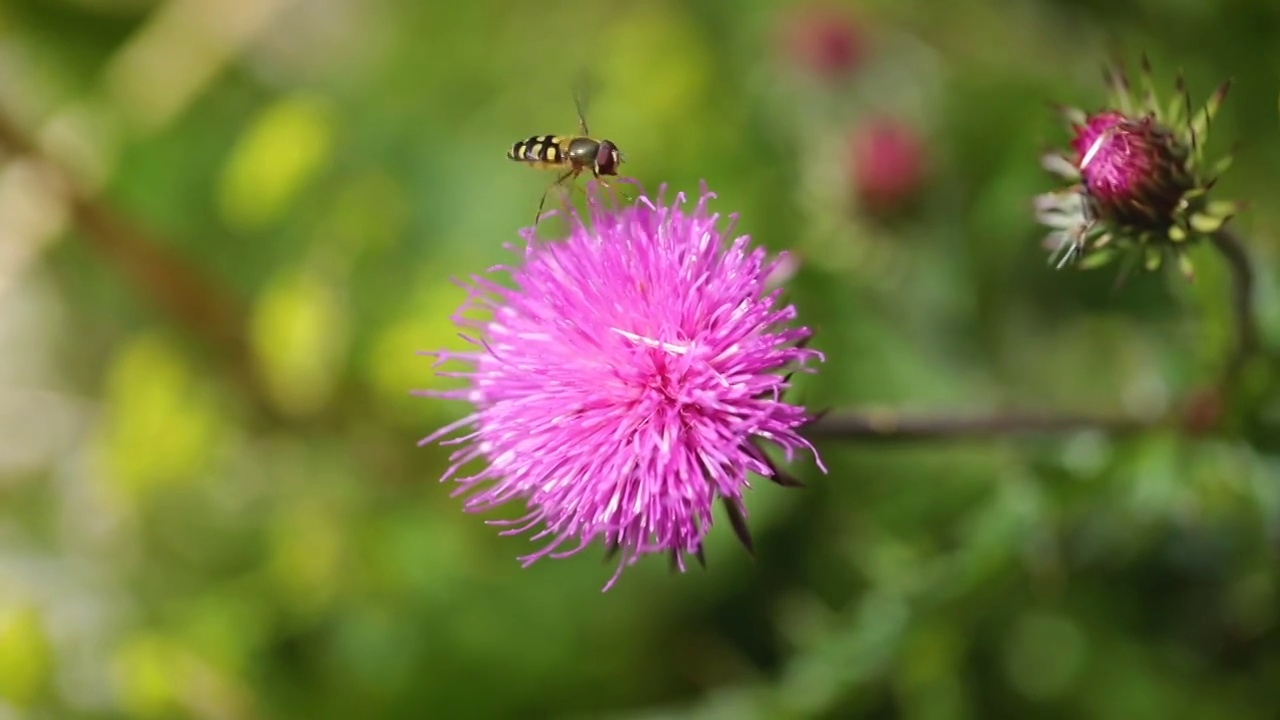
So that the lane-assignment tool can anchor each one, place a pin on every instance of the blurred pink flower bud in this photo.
(888, 164)
(826, 41)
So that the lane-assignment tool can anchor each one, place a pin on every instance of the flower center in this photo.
(1134, 169)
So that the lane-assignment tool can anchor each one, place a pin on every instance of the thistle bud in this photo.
(887, 159)
(826, 42)
(1139, 183)
(1135, 170)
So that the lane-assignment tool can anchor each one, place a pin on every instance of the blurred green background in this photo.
(211, 502)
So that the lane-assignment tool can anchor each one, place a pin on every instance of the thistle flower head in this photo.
(625, 380)
(1139, 181)
(1133, 169)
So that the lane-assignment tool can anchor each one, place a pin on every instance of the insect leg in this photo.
(542, 203)
(610, 187)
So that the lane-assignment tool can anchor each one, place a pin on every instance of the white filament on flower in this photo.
(1096, 146)
(652, 342)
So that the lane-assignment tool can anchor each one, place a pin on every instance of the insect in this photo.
(570, 154)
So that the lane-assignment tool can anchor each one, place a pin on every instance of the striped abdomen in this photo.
(542, 151)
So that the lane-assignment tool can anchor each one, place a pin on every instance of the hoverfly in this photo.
(572, 154)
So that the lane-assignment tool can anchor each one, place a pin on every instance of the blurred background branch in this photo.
(895, 426)
(194, 302)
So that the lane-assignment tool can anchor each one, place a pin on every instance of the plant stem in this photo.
(891, 426)
(1244, 311)
(884, 425)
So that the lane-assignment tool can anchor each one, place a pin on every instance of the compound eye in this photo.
(607, 158)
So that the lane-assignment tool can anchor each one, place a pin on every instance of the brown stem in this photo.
(888, 426)
(175, 285)
(1244, 312)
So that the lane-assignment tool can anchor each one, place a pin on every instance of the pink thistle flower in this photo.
(1139, 179)
(626, 382)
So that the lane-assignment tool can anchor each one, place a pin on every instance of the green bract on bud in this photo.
(1139, 181)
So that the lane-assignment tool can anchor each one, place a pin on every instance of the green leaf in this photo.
(1222, 166)
(1186, 267)
(1118, 83)
(282, 150)
(1223, 208)
(26, 656)
(1150, 101)
(162, 425)
(1044, 655)
(393, 365)
(300, 337)
(1175, 113)
(307, 545)
(1206, 223)
(1203, 119)
(149, 676)
(1153, 258)
(1097, 259)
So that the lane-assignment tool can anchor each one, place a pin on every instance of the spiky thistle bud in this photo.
(1139, 181)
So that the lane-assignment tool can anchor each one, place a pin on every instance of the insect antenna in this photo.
(581, 94)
